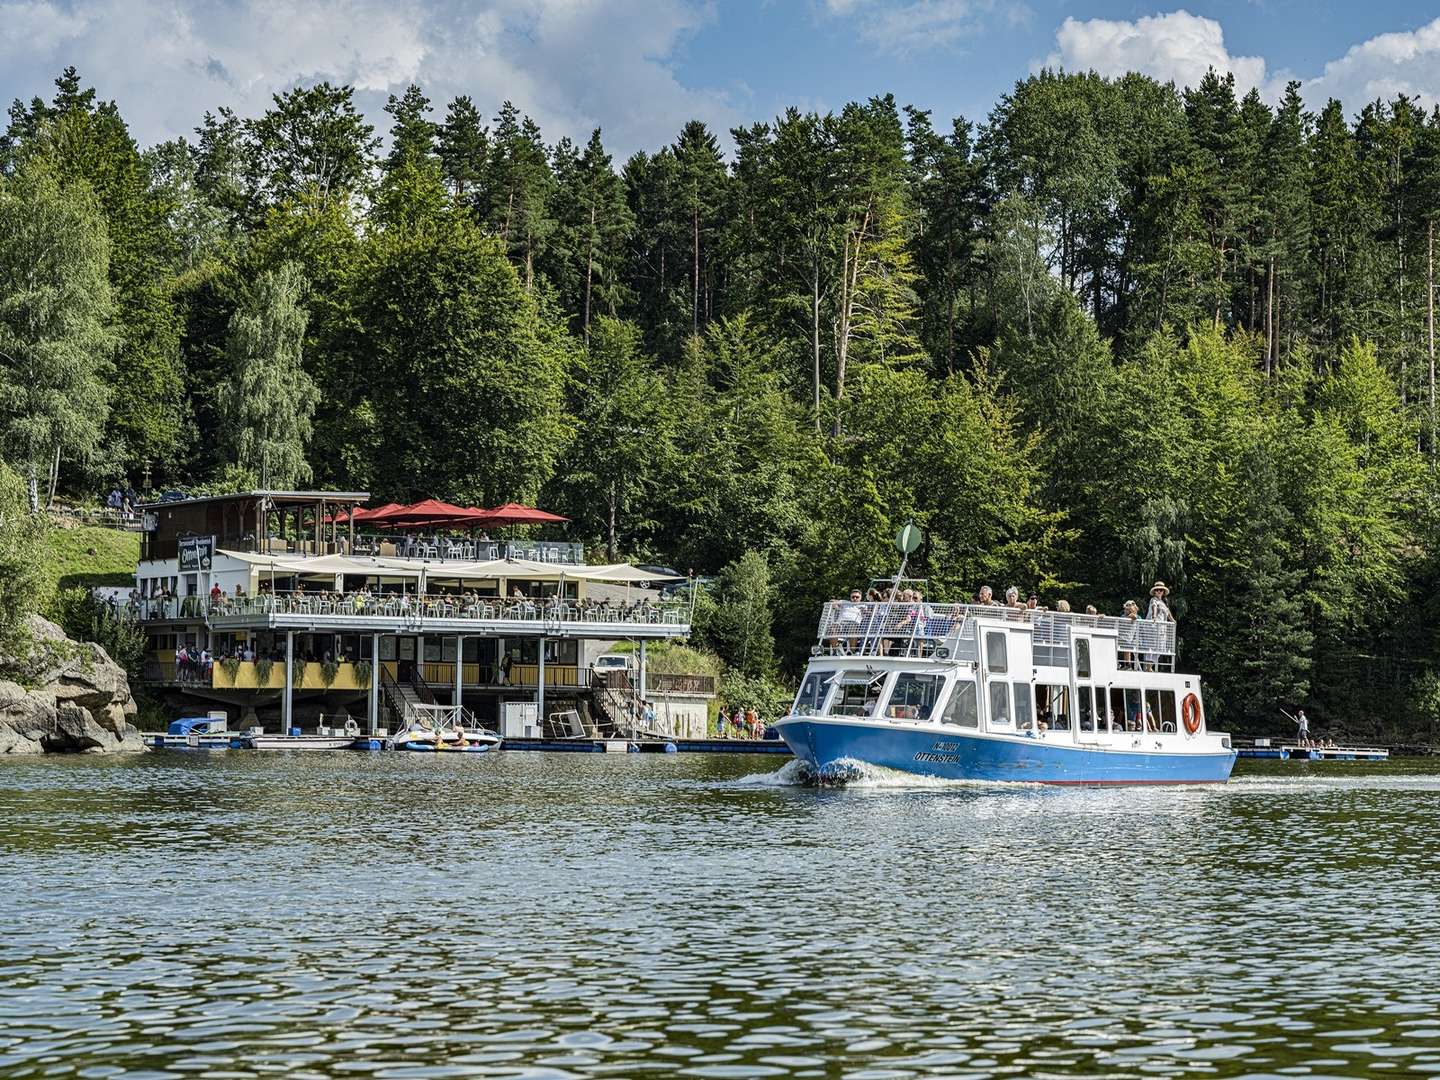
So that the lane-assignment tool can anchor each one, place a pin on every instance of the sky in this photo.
(639, 69)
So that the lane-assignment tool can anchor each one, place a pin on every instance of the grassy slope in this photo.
(113, 561)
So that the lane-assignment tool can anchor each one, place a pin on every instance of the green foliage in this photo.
(768, 695)
(230, 665)
(329, 669)
(268, 399)
(263, 667)
(363, 672)
(737, 624)
(55, 313)
(24, 573)
(85, 618)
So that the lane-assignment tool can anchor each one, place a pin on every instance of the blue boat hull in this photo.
(830, 746)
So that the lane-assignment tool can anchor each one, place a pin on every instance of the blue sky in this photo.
(640, 68)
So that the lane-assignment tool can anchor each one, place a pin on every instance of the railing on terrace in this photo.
(409, 607)
(907, 628)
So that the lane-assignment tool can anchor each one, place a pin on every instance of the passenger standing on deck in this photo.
(1159, 612)
(1127, 635)
(721, 720)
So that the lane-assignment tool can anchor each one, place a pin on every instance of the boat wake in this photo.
(850, 773)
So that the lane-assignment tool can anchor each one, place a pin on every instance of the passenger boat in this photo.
(988, 693)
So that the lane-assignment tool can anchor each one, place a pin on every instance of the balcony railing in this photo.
(246, 675)
(410, 608)
(909, 628)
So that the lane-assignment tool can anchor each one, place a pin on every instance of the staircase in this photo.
(616, 705)
(397, 697)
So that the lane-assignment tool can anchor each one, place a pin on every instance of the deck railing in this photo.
(485, 609)
(908, 628)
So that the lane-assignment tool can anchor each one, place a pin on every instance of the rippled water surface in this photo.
(533, 915)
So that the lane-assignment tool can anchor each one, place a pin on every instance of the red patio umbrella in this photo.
(516, 514)
(425, 512)
(362, 514)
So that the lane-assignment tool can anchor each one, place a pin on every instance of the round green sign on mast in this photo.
(908, 539)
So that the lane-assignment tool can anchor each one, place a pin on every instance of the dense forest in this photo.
(1115, 331)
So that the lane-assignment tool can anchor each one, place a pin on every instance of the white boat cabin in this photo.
(1058, 676)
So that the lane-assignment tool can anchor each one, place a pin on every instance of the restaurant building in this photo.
(305, 613)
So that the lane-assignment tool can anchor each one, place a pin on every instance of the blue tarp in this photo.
(200, 725)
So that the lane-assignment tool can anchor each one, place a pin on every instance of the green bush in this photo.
(84, 618)
(329, 669)
(263, 667)
(363, 671)
(770, 697)
(231, 666)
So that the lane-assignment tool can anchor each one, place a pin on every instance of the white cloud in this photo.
(1386, 65)
(904, 26)
(572, 64)
(1180, 47)
(1176, 47)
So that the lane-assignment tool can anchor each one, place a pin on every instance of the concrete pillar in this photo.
(286, 705)
(540, 689)
(374, 683)
(459, 668)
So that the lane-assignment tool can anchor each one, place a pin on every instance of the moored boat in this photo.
(443, 729)
(988, 693)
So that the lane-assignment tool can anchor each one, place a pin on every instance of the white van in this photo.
(612, 662)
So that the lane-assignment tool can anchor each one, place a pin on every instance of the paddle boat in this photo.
(443, 729)
(988, 693)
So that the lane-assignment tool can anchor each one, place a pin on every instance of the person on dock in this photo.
(721, 721)
(1302, 722)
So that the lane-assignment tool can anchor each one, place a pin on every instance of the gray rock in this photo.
(75, 699)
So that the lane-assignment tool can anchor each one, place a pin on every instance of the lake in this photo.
(549, 915)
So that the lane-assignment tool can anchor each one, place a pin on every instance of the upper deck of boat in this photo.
(905, 628)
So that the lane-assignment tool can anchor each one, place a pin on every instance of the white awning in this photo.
(383, 567)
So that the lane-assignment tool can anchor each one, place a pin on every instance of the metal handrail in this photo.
(406, 605)
(907, 627)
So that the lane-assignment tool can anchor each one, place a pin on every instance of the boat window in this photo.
(1115, 714)
(1052, 706)
(859, 693)
(1134, 711)
(913, 697)
(999, 703)
(1167, 711)
(812, 692)
(1154, 710)
(961, 711)
(995, 653)
(1024, 719)
(1085, 708)
(1082, 658)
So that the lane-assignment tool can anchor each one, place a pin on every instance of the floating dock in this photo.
(1289, 751)
(236, 740)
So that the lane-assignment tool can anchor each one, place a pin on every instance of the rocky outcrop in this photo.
(65, 697)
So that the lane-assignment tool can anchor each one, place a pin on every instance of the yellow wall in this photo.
(247, 678)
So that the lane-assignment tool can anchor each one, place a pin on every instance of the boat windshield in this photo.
(859, 693)
(812, 692)
(914, 696)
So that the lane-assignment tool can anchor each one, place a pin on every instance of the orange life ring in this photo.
(1190, 712)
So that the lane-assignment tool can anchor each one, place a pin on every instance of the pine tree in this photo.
(463, 145)
(518, 189)
(595, 224)
(412, 134)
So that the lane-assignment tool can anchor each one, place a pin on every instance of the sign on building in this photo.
(196, 553)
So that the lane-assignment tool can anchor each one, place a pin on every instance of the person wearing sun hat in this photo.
(1159, 610)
